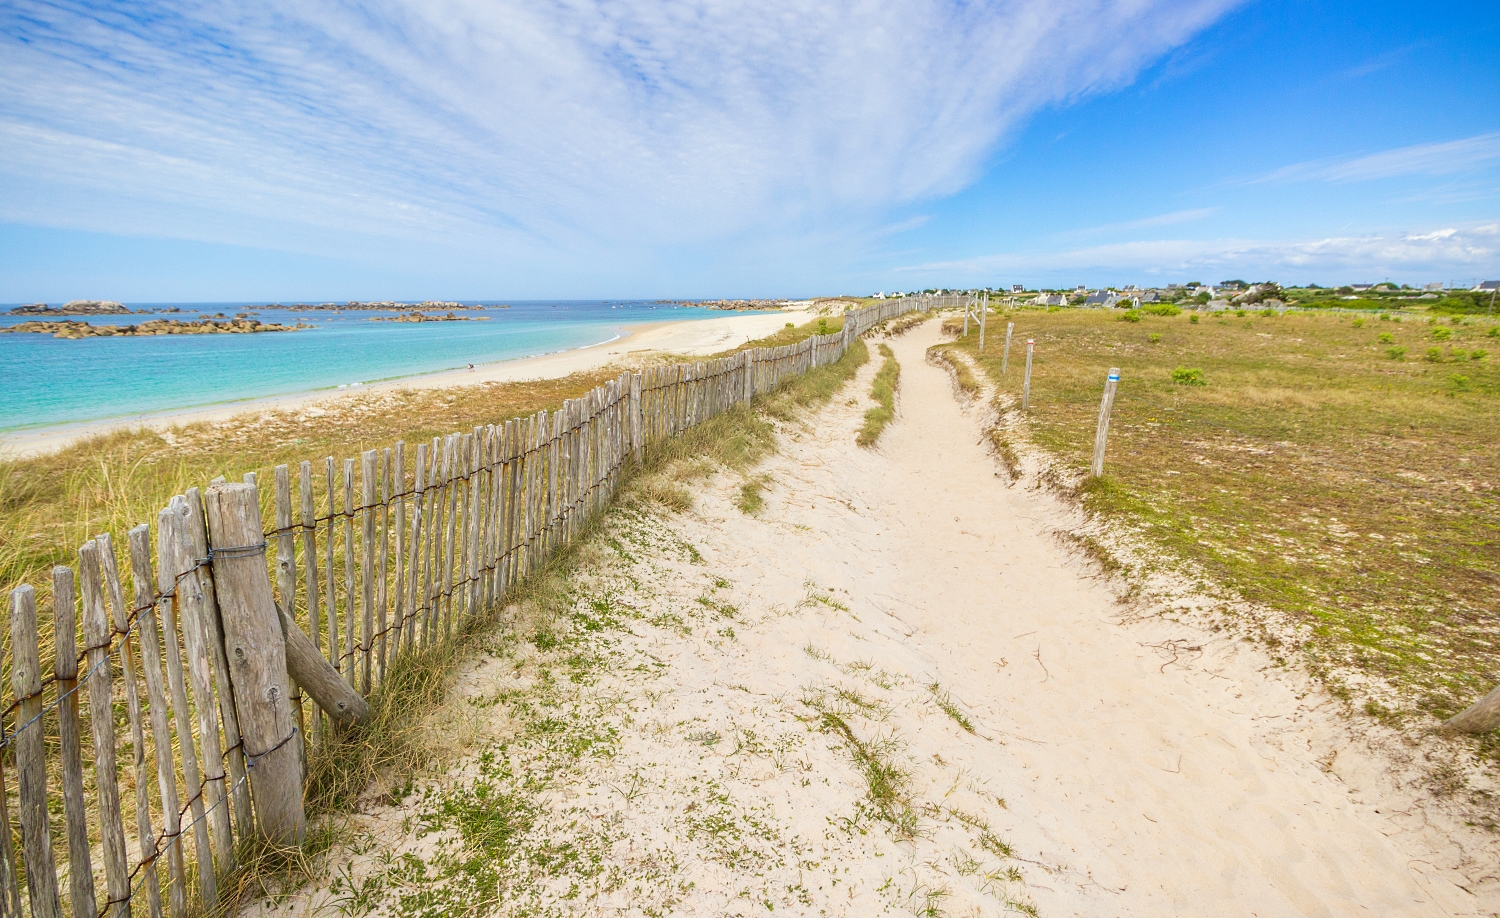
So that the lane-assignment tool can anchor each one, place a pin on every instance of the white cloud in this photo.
(1400, 255)
(1172, 219)
(526, 125)
(1443, 158)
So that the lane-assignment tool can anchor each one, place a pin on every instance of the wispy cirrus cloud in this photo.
(1426, 159)
(1174, 218)
(1409, 255)
(528, 126)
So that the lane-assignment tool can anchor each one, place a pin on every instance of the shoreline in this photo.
(694, 337)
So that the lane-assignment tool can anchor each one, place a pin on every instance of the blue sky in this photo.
(318, 150)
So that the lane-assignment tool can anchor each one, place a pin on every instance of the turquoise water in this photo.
(46, 382)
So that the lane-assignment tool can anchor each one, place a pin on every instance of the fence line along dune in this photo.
(246, 642)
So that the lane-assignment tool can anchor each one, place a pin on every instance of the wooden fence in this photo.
(196, 737)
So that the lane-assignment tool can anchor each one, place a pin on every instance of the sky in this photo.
(557, 149)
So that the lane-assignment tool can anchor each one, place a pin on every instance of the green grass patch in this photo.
(883, 391)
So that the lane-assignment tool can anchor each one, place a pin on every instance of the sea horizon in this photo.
(51, 382)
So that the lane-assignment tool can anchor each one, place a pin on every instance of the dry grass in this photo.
(1310, 472)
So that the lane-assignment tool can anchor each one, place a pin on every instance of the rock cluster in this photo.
(75, 330)
(427, 317)
(73, 308)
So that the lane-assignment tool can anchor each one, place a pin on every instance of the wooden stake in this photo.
(96, 636)
(257, 660)
(1026, 384)
(1010, 328)
(1101, 435)
(75, 804)
(161, 731)
(31, 755)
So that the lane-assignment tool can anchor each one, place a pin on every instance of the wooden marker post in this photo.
(636, 441)
(1010, 328)
(1101, 435)
(984, 311)
(1026, 384)
(257, 660)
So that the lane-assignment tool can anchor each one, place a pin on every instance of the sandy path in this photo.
(697, 738)
(1160, 789)
(697, 337)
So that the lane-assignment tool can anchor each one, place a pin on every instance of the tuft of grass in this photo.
(883, 390)
(751, 498)
(1188, 376)
(945, 701)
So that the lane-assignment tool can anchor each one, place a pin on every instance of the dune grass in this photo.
(1295, 461)
(883, 391)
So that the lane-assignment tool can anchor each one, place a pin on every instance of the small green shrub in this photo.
(1458, 381)
(790, 325)
(1239, 313)
(1442, 334)
(1154, 338)
(822, 326)
(1130, 316)
(1268, 312)
(1358, 323)
(1396, 353)
(1495, 331)
(1194, 319)
(1433, 355)
(1188, 376)
(1386, 338)
(1162, 309)
(1478, 353)
(1385, 317)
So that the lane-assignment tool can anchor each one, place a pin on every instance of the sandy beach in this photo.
(697, 337)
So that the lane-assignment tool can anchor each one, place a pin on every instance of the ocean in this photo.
(47, 382)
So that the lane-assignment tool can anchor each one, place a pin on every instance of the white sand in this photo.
(695, 337)
(1127, 779)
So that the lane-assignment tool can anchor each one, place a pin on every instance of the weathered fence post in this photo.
(31, 762)
(1026, 384)
(636, 446)
(1010, 328)
(984, 312)
(1480, 717)
(1101, 435)
(257, 660)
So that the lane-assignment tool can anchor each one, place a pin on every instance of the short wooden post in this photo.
(1480, 717)
(1026, 384)
(984, 311)
(1101, 435)
(257, 660)
(636, 446)
(1010, 328)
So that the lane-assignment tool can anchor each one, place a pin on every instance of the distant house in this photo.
(1361, 288)
(1080, 290)
(1146, 296)
(1488, 285)
(1434, 287)
(1102, 298)
(1052, 299)
(1017, 288)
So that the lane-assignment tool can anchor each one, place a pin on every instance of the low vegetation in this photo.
(883, 391)
(1309, 464)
